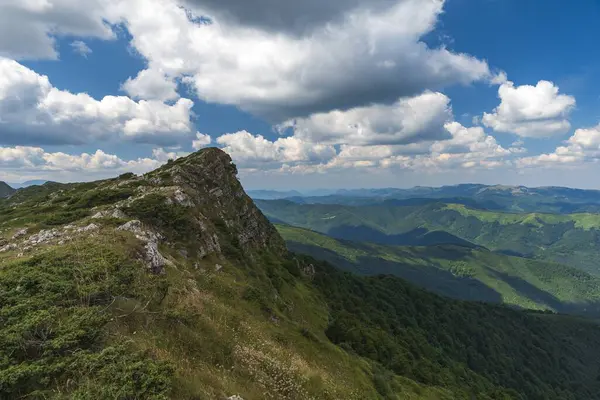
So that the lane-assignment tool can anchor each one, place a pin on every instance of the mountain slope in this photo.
(573, 239)
(459, 272)
(174, 285)
(5, 190)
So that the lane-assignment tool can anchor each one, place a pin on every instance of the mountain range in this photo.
(174, 285)
(571, 239)
(461, 272)
(515, 199)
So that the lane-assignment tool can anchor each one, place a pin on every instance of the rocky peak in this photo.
(206, 184)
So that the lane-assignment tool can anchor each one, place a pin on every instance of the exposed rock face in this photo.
(139, 231)
(207, 182)
(155, 261)
(88, 228)
(114, 213)
(20, 233)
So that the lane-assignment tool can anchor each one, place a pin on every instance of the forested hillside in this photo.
(573, 239)
(460, 272)
(173, 285)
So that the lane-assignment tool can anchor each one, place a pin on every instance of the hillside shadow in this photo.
(415, 237)
(588, 309)
(527, 290)
(427, 277)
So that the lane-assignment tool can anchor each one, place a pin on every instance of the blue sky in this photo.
(354, 93)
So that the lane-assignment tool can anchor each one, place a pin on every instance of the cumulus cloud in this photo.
(254, 150)
(469, 140)
(20, 162)
(531, 111)
(201, 141)
(465, 148)
(151, 84)
(583, 146)
(408, 120)
(36, 23)
(297, 17)
(33, 111)
(81, 48)
(373, 54)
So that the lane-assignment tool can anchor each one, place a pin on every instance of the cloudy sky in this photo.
(304, 94)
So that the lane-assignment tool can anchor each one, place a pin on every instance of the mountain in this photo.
(173, 285)
(25, 184)
(516, 199)
(460, 272)
(570, 239)
(272, 194)
(5, 190)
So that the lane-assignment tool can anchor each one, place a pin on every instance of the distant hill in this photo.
(27, 183)
(5, 189)
(518, 199)
(272, 194)
(572, 239)
(459, 272)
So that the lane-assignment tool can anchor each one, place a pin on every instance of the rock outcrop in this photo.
(206, 183)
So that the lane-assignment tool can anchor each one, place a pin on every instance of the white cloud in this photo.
(467, 148)
(201, 141)
(151, 84)
(28, 27)
(531, 111)
(250, 151)
(81, 48)
(583, 146)
(469, 140)
(371, 54)
(409, 120)
(33, 111)
(21, 162)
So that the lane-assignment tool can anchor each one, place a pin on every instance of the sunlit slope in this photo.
(573, 239)
(460, 272)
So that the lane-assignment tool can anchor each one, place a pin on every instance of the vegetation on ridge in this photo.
(119, 303)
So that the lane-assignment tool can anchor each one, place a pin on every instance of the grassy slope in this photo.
(573, 239)
(88, 320)
(458, 272)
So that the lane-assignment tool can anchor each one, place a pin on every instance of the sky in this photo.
(304, 95)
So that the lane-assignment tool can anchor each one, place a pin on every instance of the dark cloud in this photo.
(291, 16)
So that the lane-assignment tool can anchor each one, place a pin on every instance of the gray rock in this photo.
(156, 261)
(43, 236)
(183, 199)
(8, 247)
(89, 228)
(136, 227)
(116, 213)
(20, 233)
